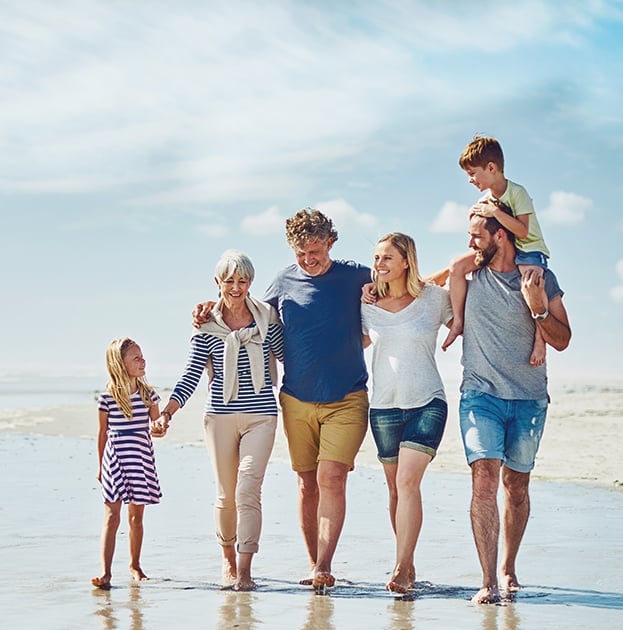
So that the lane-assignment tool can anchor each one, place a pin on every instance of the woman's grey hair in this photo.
(232, 261)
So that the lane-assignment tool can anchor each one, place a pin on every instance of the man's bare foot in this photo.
(138, 575)
(308, 581)
(246, 584)
(510, 584)
(487, 595)
(102, 581)
(455, 331)
(323, 579)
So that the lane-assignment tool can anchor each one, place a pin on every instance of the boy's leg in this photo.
(135, 538)
(539, 349)
(112, 517)
(459, 268)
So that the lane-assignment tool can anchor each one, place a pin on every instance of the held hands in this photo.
(201, 313)
(158, 428)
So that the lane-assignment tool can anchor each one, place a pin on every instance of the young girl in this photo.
(127, 410)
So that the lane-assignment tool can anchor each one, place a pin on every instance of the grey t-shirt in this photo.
(498, 337)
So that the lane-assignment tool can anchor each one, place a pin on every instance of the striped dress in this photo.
(128, 465)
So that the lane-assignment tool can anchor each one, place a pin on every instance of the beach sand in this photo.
(50, 519)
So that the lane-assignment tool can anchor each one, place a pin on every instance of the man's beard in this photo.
(484, 256)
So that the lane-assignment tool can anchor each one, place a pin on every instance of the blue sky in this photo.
(141, 139)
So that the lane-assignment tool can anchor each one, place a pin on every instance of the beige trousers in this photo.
(240, 445)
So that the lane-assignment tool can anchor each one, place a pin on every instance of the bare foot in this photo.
(245, 585)
(539, 352)
(308, 581)
(323, 579)
(101, 582)
(510, 584)
(412, 577)
(400, 582)
(487, 595)
(138, 575)
(455, 331)
(228, 574)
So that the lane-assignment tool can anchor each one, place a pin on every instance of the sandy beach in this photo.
(51, 517)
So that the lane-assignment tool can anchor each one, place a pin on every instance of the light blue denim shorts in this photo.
(536, 259)
(420, 428)
(494, 428)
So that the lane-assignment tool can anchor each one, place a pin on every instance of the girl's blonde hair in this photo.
(406, 246)
(119, 384)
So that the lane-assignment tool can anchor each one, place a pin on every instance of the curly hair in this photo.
(309, 225)
(480, 151)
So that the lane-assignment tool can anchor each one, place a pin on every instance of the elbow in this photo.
(562, 343)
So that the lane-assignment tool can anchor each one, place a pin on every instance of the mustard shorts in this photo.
(330, 431)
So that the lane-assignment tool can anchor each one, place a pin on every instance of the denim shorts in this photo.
(420, 429)
(536, 259)
(508, 430)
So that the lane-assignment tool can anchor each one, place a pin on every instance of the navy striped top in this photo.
(203, 346)
(117, 421)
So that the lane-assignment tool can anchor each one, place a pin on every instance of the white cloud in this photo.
(214, 230)
(345, 216)
(616, 293)
(565, 208)
(267, 222)
(451, 218)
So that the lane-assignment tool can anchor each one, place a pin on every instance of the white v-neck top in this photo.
(404, 371)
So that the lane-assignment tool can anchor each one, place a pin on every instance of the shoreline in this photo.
(581, 444)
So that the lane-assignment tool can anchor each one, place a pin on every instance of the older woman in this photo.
(237, 347)
(408, 409)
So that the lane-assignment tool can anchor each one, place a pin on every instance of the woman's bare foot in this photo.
(102, 581)
(245, 584)
(401, 582)
(412, 577)
(323, 579)
(229, 575)
(138, 575)
(487, 595)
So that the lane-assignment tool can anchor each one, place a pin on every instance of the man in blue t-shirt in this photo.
(323, 395)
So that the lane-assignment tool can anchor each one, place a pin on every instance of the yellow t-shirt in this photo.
(517, 199)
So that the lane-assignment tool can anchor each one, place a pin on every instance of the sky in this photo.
(139, 140)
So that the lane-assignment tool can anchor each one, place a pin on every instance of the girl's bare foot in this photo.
(487, 595)
(102, 581)
(138, 575)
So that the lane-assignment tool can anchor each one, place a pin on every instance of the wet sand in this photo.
(51, 514)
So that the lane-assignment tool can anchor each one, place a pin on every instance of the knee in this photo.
(485, 479)
(333, 480)
(113, 517)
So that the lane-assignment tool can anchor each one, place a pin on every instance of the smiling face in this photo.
(134, 362)
(483, 177)
(389, 263)
(313, 256)
(234, 289)
(482, 241)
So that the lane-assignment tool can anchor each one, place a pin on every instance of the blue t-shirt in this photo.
(323, 354)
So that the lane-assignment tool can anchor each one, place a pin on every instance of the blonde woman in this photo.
(237, 348)
(125, 453)
(408, 409)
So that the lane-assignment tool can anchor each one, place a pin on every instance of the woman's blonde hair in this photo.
(119, 384)
(406, 246)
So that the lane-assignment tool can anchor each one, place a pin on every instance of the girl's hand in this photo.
(158, 429)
